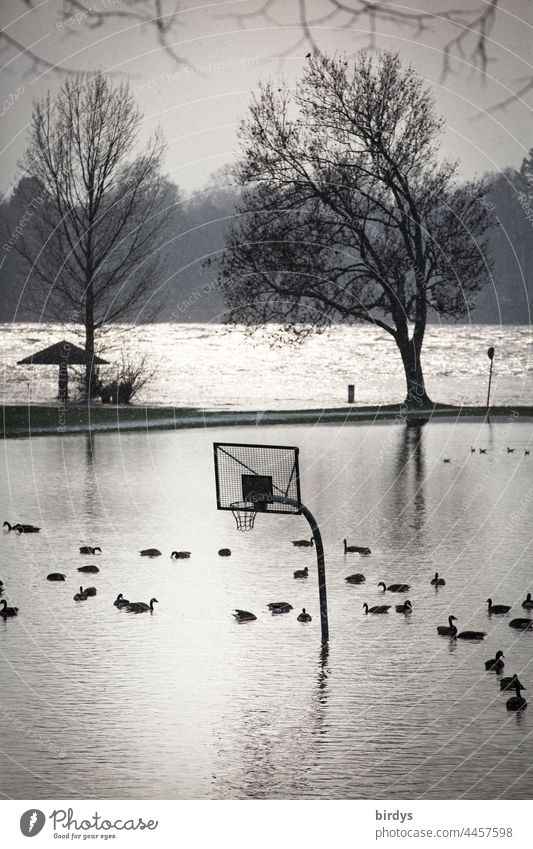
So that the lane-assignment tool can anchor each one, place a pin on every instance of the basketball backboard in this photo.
(252, 474)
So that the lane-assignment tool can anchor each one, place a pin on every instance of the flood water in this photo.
(186, 703)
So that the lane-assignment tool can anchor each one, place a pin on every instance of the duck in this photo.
(406, 607)
(141, 606)
(526, 452)
(180, 555)
(224, 552)
(303, 543)
(448, 630)
(510, 450)
(7, 611)
(472, 449)
(482, 450)
(509, 682)
(80, 596)
(378, 608)
(150, 552)
(244, 616)
(496, 664)
(355, 549)
(279, 607)
(304, 616)
(471, 635)
(446, 459)
(301, 573)
(355, 579)
(521, 624)
(516, 702)
(528, 602)
(56, 576)
(437, 581)
(90, 591)
(2, 585)
(87, 549)
(89, 570)
(120, 601)
(497, 608)
(395, 588)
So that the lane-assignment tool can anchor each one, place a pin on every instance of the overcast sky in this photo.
(228, 49)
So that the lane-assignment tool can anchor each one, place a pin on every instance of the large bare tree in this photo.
(92, 248)
(349, 212)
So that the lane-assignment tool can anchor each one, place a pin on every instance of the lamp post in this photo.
(490, 354)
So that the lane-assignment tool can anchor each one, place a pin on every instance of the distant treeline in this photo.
(190, 293)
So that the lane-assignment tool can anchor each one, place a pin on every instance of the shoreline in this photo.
(24, 421)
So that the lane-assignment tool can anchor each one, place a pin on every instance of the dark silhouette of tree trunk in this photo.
(349, 213)
(92, 249)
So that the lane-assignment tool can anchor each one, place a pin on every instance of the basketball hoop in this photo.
(244, 513)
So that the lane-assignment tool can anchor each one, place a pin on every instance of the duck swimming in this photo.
(508, 683)
(471, 635)
(150, 552)
(437, 581)
(301, 573)
(90, 591)
(528, 602)
(279, 607)
(87, 549)
(141, 606)
(497, 608)
(55, 576)
(516, 702)
(448, 630)
(521, 624)
(89, 570)
(180, 555)
(496, 664)
(22, 529)
(304, 543)
(395, 588)
(355, 579)
(6, 611)
(80, 596)
(355, 549)
(406, 607)
(120, 601)
(378, 608)
(244, 616)
(304, 616)
(224, 552)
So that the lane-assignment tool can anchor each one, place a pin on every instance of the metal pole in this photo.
(490, 354)
(321, 564)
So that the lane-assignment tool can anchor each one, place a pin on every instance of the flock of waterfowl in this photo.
(485, 451)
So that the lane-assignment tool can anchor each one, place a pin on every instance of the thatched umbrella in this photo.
(62, 354)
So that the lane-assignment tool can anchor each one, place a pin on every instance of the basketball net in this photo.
(244, 513)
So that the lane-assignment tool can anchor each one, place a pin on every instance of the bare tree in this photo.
(92, 249)
(349, 213)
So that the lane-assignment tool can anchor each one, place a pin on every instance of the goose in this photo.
(395, 588)
(482, 450)
(224, 552)
(378, 608)
(80, 596)
(497, 608)
(141, 606)
(510, 450)
(528, 602)
(120, 601)
(7, 611)
(516, 702)
(355, 579)
(472, 449)
(89, 570)
(304, 616)
(471, 635)
(22, 529)
(526, 452)
(438, 582)
(355, 549)
(279, 607)
(87, 549)
(521, 624)
(150, 552)
(406, 607)
(446, 459)
(496, 664)
(55, 576)
(448, 630)
(508, 683)
(180, 555)
(244, 616)
(90, 591)
(1, 587)
(301, 573)
(304, 543)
